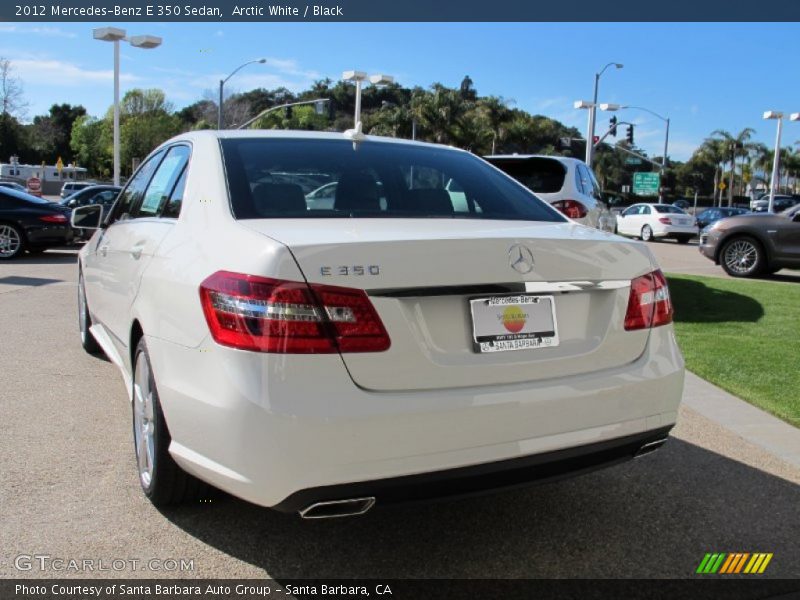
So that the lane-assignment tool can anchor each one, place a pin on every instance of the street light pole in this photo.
(222, 86)
(116, 35)
(776, 159)
(593, 114)
(358, 77)
(116, 114)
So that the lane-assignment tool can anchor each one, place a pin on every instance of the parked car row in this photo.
(32, 224)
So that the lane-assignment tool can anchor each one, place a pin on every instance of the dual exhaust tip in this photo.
(352, 507)
(650, 447)
(338, 508)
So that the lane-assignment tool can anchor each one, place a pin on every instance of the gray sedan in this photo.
(754, 244)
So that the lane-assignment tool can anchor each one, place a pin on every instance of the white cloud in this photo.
(60, 73)
(43, 31)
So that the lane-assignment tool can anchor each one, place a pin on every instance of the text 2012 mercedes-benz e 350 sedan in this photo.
(403, 341)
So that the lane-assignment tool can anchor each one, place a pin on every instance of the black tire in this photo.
(683, 240)
(163, 482)
(647, 234)
(742, 256)
(85, 320)
(12, 241)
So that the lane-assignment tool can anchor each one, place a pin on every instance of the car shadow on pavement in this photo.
(695, 302)
(19, 280)
(653, 517)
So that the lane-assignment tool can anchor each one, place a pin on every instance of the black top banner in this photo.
(397, 10)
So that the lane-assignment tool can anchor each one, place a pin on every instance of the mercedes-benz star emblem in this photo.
(520, 259)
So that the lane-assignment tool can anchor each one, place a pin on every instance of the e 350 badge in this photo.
(346, 270)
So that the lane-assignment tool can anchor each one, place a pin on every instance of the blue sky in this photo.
(703, 76)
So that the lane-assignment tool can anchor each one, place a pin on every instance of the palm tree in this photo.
(439, 112)
(735, 146)
(713, 150)
(496, 111)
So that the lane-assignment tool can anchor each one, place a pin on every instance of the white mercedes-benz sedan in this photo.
(401, 342)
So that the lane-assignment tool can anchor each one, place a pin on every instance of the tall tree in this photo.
(735, 146)
(12, 98)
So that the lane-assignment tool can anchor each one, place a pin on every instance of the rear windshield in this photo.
(285, 178)
(543, 175)
(666, 208)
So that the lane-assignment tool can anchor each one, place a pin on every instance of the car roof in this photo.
(293, 134)
(561, 159)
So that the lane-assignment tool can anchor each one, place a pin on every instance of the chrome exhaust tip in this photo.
(650, 447)
(338, 508)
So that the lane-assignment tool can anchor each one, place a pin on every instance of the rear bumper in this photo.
(673, 231)
(267, 428)
(477, 479)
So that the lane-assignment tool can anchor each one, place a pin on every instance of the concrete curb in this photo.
(751, 423)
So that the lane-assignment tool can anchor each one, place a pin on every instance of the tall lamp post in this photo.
(776, 160)
(116, 35)
(613, 107)
(222, 85)
(592, 106)
(359, 77)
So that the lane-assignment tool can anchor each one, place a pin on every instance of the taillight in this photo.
(272, 315)
(665, 220)
(572, 208)
(53, 219)
(649, 304)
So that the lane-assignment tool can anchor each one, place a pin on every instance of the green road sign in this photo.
(632, 160)
(646, 184)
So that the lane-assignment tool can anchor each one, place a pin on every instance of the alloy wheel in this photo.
(741, 257)
(143, 420)
(10, 241)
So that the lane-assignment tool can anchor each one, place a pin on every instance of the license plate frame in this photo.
(513, 322)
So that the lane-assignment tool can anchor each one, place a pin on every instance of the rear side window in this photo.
(173, 208)
(163, 182)
(590, 185)
(134, 191)
(667, 208)
(314, 178)
(543, 175)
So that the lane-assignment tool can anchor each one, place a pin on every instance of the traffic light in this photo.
(613, 125)
(289, 112)
(629, 134)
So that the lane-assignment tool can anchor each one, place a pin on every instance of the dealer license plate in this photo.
(503, 323)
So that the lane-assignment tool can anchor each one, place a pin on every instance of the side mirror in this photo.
(87, 217)
(796, 217)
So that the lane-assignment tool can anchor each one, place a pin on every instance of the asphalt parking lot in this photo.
(69, 487)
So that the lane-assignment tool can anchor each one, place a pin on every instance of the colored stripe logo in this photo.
(730, 563)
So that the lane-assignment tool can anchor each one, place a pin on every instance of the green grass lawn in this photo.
(743, 336)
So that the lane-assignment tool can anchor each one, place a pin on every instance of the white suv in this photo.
(71, 187)
(566, 183)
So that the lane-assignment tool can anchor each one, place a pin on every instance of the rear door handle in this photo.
(103, 250)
